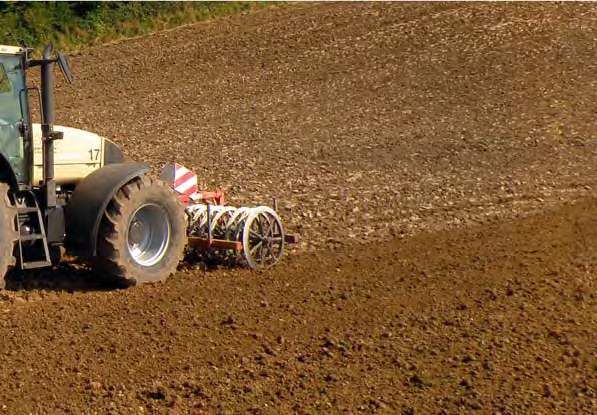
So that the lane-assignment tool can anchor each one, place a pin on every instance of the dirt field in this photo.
(438, 160)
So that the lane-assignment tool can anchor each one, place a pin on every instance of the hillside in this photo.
(437, 160)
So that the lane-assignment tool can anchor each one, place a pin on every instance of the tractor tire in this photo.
(8, 233)
(142, 234)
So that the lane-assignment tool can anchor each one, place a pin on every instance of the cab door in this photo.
(13, 116)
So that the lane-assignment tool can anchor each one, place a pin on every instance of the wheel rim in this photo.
(263, 238)
(148, 234)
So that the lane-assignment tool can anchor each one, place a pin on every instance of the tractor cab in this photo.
(16, 132)
(15, 142)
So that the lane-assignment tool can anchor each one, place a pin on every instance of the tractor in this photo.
(65, 190)
(68, 190)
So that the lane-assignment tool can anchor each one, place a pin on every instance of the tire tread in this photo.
(10, 236)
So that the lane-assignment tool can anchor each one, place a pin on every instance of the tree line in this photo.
(73, 24)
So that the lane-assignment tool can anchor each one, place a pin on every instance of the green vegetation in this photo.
(71, 25)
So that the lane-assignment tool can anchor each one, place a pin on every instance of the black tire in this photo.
(117, 260)
(8, 233)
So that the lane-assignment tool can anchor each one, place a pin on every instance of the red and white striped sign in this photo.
(180, 178)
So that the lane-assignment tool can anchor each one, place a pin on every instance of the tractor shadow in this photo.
(68, 276)
(75, 276)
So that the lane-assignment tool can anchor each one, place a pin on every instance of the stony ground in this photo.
(438, 160)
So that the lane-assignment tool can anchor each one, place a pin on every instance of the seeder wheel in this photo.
(219, 221)
(235, 225)
(196, 215)
(263, 238)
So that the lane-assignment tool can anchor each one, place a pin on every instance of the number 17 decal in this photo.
(94, 154)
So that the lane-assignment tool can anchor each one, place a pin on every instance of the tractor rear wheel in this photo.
(142, 234)
(8, 233)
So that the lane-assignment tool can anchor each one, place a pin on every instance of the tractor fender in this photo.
(88, 203)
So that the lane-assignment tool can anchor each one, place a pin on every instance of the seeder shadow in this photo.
(208, 261)
(66, 276)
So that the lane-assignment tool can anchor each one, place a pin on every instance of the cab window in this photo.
(4, 81)
(12, 87)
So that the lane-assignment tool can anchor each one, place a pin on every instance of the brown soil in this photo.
(438, 160)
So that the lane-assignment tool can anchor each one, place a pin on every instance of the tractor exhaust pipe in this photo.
(47, 117)
(47, 126)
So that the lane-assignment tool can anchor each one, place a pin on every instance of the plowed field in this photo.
(439, 161)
